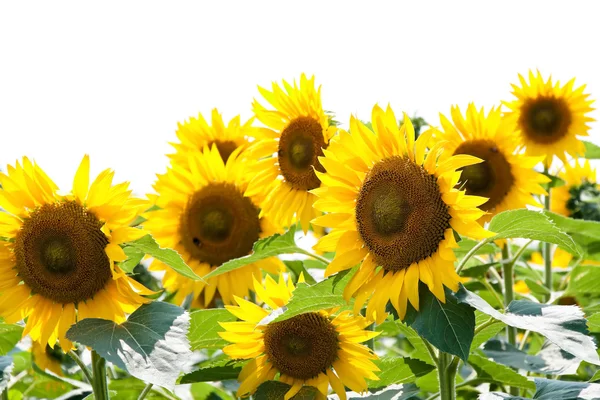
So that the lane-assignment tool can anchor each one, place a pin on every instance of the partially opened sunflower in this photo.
(394, 208)
(57, 265)
(578, 198)
(319, 349)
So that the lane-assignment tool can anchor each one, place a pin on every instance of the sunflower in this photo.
(288, 149)
(206, 217)
(560, 258)
(57, 265)
(578, 197)
(318, 349)
(506, 178)
(194, 134)
(549, 117)
(47, 358)
(393, 207)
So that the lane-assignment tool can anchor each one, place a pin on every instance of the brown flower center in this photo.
(300, 146)
(225, 148)
(219, 224)
(302, 347)
(60, 253)
(491, 178)
(400, 213)
(545, 120)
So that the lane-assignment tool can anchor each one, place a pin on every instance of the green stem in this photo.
(100, 384)
(509, 294)
(145, 391)
(547, 255)
(84, 369)
(490, 289)
(431, 352)
(470, 254)
(4, 395)
(447, 366)
(315, 256)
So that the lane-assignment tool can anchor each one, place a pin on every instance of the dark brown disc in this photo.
(225, 148)
(545, 120)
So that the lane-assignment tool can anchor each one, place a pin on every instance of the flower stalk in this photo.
(100, 384)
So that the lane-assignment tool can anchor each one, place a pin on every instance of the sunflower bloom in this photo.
(206, 217)
(560, 258)
(196, 133)
(318, 349)
(47, 358)
(297, 130)
(578, 197)
(506, 178)
(550, 117)
(58, 264)
(393, 206)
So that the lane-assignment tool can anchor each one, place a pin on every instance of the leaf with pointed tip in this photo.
(592, 152)
(205, 328)
(151, 345)
(585, 279)
(134, 256)
(296, 267)
(397, 370)
(10, 335)
(219, 370)
(585, 233)
(500, 373)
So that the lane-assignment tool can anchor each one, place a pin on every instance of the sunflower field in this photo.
(294, 256)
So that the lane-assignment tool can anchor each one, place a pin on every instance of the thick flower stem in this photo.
(447, 367)
(4, 395)
(508, 266)
(100, 384)
(547, 255)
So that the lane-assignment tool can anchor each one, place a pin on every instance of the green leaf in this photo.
(420, 352)
(148, 245)
(592, 152)
(465, 245)
(500, 373)
(449, 327)
(9, 336)
(91, 396)
(555, 181)
(392, 392)
(205, 391)
(134, 256)
(323, 295)
(536, 287)
(596, 377)
(151, 345)
(474, 269)
(490, 330)
(549, 360)
(396, 370)
(217, 371)
(296, 267)
(594, 323)
(274, 390)
(565, 390)
(130, 389)
(564, 326)
(264, 248)
(500, 396)
(585, 233)
(585, 279)
(529, 224)
(205, 328)
(6, 366)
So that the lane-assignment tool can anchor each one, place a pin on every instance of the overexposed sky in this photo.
(113, 78)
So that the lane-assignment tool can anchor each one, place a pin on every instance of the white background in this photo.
(113, 78)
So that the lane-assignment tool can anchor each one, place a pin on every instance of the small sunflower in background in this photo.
(550, 117)
(204, 215)
(58, 265)
(196, 133)
(560, 258)
(393, 206)
(506, 178)
(579, 197)
(47, 358)
(288, 149)
(318, 349)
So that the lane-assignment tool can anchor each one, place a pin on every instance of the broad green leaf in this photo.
(465, 245)
(474, 269)
(396, 370)
(564, 326)
(448, 326)
(592, 152)
(565, 390)
(130, 389)
(323, 295)
(151, 345)
(148, 245)
(420, 352)
(134, 256)
(9, 336)
(549, 360)
(42, 386)
(500, 373)
(274, 390)
(296, 267)
(585, 233)
(264, 248)
(205, 391)
(6, 366)
(429, 382)
(536, 287)
(585, 279)
(205, 328)
(594, 322)
(596, 377)
(392, 392)
(490, 330)
(217, 371)
(529, 224)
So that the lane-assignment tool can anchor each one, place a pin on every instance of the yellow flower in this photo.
(505, 177)
(521, 287)
(297, 131)
(392, 206)
(549, 117)
(194, 134)
(566, 199)
(206, 217)
(46, 358)
(560, 258)
(318, 349)
(58, 265)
